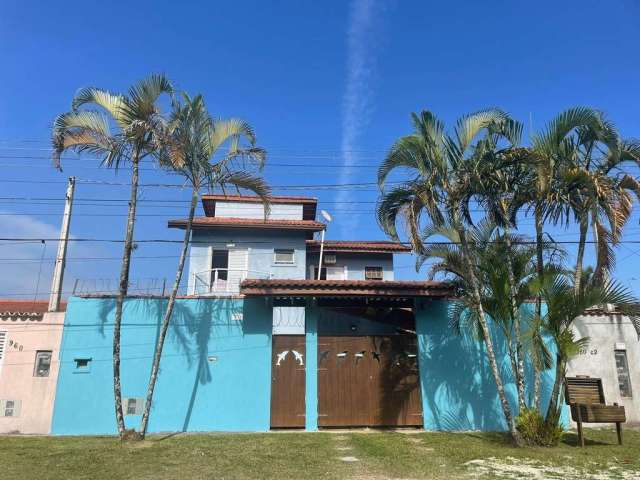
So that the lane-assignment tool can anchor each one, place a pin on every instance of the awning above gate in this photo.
(344, 288)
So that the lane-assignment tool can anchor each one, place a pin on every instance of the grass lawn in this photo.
(326, 455)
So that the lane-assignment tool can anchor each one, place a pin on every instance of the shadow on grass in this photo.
(571, 439)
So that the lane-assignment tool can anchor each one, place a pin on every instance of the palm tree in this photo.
(445, 173)
(191, 141)
(577, 156)
(489, 249)
(564, 304)
(137, 119)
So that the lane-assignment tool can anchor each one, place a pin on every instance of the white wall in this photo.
(279, 211)
(598, 359)
(260, 245)
(355, 263)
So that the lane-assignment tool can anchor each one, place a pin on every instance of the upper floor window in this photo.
(624, 379)
(43, 363)
(373, 273)
(219, 265)
(284, 256)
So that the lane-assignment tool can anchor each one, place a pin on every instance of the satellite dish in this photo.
(326, 215)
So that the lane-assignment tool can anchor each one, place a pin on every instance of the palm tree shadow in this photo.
(458, 384)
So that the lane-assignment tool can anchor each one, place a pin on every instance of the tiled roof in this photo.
(344, 288)
(14, 310)
(27, 306)
(256, 199)
(213, 222)
(376, 246)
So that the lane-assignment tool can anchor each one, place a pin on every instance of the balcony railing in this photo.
(223, 281)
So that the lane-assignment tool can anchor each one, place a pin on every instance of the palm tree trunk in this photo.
(538, 313)
(122, 291)
(584, 225)
(167, 316)
(553, 412)
(599, 274)
(487, 337)
(515, 315)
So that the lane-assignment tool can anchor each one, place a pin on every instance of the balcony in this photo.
(223, 281)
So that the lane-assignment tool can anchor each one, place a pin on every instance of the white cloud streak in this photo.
(358, 95)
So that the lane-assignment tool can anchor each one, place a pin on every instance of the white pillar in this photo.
(58, 272)
(321, 251)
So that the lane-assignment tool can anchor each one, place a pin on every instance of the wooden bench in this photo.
(586, 399)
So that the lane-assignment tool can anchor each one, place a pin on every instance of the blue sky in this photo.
(326, 85)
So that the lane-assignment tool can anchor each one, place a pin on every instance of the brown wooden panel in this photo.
(288, 381)
(368, 381)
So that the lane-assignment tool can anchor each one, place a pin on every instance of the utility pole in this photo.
(61, 257)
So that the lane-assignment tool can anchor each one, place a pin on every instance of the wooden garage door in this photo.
(288, 381)
(368, 381)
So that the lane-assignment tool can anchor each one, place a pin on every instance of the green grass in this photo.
(381, 455)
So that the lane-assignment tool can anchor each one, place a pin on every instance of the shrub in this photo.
(535, 431)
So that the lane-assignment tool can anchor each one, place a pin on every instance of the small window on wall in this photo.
(283, 256)
(43, 363)
(373, 273)
(9, 408)
(83, 365)
(624, 379)
(133, 406)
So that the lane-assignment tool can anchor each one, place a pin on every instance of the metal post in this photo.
(58, 273)
(321, 251)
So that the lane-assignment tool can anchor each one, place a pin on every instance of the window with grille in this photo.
(3, 342)
(43, 363)
(373, 273)
(282, 256)
(9, 408)
(133, 406)
(624, 379)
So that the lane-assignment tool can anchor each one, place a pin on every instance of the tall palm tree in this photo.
(192, 146)
(88, 128)
(564, 304)
(443, 181)
(578, 158)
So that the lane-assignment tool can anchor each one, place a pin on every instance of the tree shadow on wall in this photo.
(190, 331)
(458, 383)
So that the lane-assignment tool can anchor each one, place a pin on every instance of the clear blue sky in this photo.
(328, 85)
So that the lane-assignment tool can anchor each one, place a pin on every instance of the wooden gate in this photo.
(368, 381)
(288, 359)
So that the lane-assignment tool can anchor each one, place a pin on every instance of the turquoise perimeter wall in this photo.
(458, 388)
(215, 372)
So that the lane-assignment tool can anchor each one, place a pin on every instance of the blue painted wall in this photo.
(193, 393)
(458, 388)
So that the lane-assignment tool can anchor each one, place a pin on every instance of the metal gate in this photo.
(288, 381)
(368, 381)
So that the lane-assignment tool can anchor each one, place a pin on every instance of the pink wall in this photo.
(17, 380)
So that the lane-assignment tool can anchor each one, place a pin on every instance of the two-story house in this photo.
(270, 336)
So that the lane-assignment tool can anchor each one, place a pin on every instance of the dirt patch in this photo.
(516, 468)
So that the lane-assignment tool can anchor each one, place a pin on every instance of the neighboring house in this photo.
(261, 343)
(613, 354)
(29, 348)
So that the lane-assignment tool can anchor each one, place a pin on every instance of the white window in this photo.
(9, 408)
(329, 259)
(373, 273)
(330, 273)
(43, 363)
(622, 366)
(133, 406)
(3, 343)
(282, 256)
